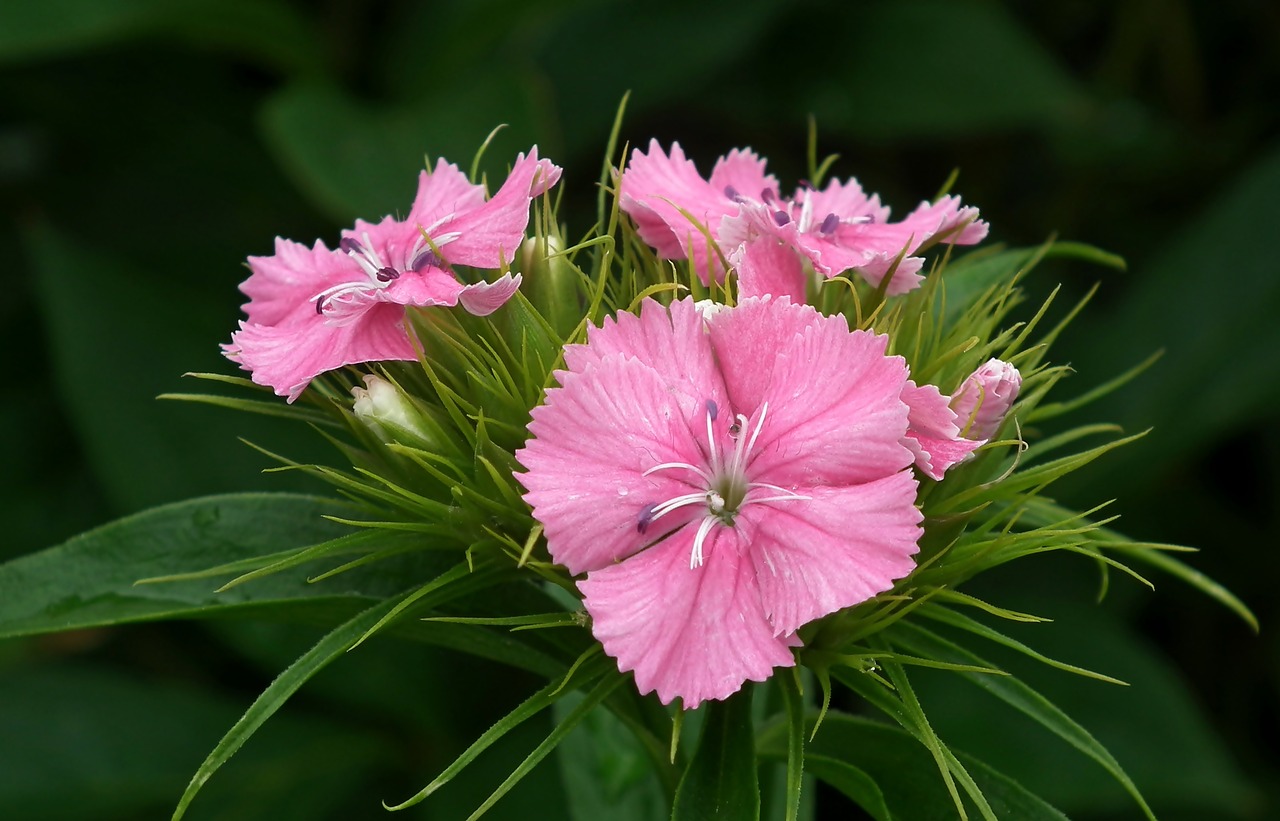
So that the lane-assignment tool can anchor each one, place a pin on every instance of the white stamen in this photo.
(696, 559)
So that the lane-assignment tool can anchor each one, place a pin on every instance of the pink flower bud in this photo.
(984, 398)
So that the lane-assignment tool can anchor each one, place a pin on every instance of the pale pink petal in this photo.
(672, 341)
(442, 191)
(933, 436)
(983, 400)
(742, 171)
(767, 267)
(952, 223)
(287, 357)
(693, 634)
(835, 413)
(674, 208)
(489, 235)
(280, 284)
(483, 298)
(590, 445)
(846, 200)
(839, 547)
(430, 286)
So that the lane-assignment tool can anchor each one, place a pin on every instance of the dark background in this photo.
(148, 146)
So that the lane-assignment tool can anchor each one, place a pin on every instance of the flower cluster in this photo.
(715, 476)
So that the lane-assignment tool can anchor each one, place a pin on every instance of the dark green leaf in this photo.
(722, 780)
(355, 160)
(890, 774)
(270, 32)
(80, 742)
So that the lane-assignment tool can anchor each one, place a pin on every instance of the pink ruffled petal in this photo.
(431, 286)
(951, 223)
(591, 444)
(287, 357)
(280, 284)
(838, 548)
(693, 634)
(483, 298)
(835, 413)
(489, 235)
(657, 191)
(672, 341)
(933, 436)
(442, 191)
(846, 200)
(742, 170)
(767, 267)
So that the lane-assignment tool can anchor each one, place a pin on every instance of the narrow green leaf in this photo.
(722, 780)
(589, 669)
(793, 700)
(888, 772)
(278, 692)
(1018, 695)
(853, 782)
(563, 728)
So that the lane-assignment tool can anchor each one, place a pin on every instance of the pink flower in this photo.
(312, 310)
(717, 499)
(765, 236)
(983, 400)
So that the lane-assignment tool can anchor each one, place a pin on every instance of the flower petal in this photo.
(282, 284)
(489, 234)
(483, 298)
(932, 433)
(767, 267)
(442, 191)
(838, 548)
(835, 414)
(592, 442)
(672, 341)
(695, 634)
(657, 191)
(287, 357)
(743, 171)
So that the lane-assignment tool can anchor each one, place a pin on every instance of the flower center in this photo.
(726, 486)
(348, 298)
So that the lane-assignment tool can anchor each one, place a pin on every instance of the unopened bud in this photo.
(983, 400)
(551, 282)
(391, 415)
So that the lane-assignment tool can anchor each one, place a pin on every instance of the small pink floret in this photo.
(982, 401)
(739, 215)
(313, 310)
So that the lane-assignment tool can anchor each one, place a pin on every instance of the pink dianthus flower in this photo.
(313, 310)
(718, 499)
(765, 236)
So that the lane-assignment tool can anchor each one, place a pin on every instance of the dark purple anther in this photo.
(806, 185)
(781, 218)
(713, 410)
(645, 517)
(350, 246)
(426, 257)
(387, 274)
(830, 224)
(768, 196)
(731, 192)
(319, 307)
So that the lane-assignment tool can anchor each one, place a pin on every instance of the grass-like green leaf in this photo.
(278, 692)
(722, 780)
(1018, 695)
(589, 668)
(887, 772)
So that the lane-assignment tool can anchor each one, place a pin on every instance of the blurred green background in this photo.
(148, 146)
